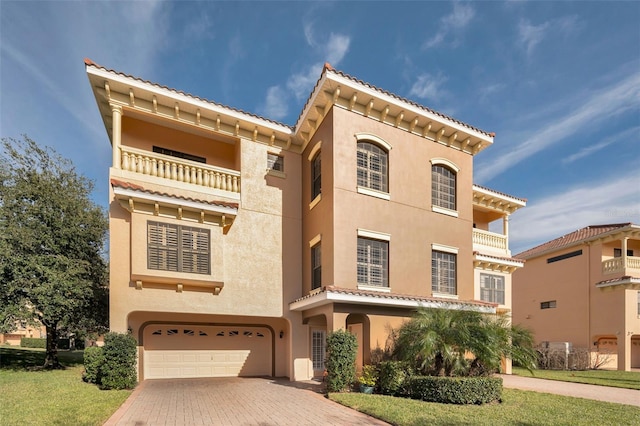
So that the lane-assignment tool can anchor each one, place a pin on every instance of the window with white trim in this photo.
(178, 248)
(373, 262)
(316, 267)
(443, 272)
(443, 187)
(492, 288)
(318, 349)
(316, 176)
(275, 162)
(372, 167)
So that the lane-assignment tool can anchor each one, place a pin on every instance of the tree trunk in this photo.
(51, 359)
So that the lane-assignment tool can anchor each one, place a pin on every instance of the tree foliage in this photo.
(445, 342)
(52, 236)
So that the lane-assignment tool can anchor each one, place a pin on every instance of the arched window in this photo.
(443, 187)
(373, 167)
(316, 176)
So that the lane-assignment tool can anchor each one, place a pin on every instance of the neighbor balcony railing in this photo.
(615, 265)
(179, 170)
(489, 239)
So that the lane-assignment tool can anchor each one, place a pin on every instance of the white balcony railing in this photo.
(615, 265)
(489, 239)
(179, 170)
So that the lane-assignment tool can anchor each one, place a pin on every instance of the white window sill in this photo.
(374, 193)
(442, 210)
(315, 201)
(276, 173)
(445, 295)
(374, 288)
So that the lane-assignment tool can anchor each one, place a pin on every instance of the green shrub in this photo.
(118, 369)
(456, 390)
(32, 342)
(392, 377)
(341, 360)
(93, 360)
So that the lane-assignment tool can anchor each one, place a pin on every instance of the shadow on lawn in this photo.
(19, 359)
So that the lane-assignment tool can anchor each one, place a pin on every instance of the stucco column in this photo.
(624, 352)
(116, 130)
(505, 229)
(624, 254)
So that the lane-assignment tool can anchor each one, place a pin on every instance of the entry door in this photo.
(318, 351)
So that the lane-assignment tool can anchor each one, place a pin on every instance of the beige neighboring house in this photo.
(22, 330)
(584, 289)
(237, 242)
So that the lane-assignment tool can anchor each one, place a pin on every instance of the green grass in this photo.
(618, 379)
(31, 396)
(517, 408)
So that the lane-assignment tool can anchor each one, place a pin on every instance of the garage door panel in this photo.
(175, 352)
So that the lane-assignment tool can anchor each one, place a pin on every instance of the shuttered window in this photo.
(373, 262)
(443, 187)
(443, 272)
(178, 248)
(372, 167)
(492, 288)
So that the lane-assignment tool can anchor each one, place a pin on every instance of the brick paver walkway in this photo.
(233, 401)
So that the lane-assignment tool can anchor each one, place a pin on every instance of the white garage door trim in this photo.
(205, 350)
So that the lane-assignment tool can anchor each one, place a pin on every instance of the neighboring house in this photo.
(584, 289)
(237, 242)
(22, 329)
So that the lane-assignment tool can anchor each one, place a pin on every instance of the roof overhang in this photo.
(628, 282)
(337, 89)
(328, 296)
(495, 263)
(496, 204)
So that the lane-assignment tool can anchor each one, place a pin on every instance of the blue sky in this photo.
(559, 82)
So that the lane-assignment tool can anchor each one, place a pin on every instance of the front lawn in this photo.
(29, 396)
(517, 408)
(619, 379)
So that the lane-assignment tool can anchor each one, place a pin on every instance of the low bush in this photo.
(93, 360)
(32, 342)
(342, 347)
(456, 390)
(392, 377)
(118, 370)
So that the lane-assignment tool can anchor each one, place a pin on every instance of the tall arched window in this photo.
(443, 187)
(373, 167)
(316, 176)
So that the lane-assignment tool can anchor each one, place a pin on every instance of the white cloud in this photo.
(586, 151)
(276, 103)
(593, 203)
(450, 24)
(428, 86)
(606, 103)
(336, 48)
(529, 36)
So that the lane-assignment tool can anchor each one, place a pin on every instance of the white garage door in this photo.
(206, 351)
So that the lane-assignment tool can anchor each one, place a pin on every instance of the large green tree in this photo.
(52, 237)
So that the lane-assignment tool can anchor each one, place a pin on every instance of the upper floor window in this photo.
(275, 162)
(178, 248)
(178, 154)
(443, 272)
(618, 252)
(373, 167)
(443, 187)
(316, 176)
(373, 262)
(492, 288)
(316, 267)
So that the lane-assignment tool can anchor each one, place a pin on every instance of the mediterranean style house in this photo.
(584, 289)
(237, 242)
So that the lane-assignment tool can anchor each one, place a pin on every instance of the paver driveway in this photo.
(233, 401)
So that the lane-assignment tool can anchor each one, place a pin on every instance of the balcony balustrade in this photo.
(489, 239)
(179, 170)
(616, 265)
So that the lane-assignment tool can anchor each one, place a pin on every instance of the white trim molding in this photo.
(315, 150)
(315, 240)
(374, 235)
(445, 162)
(443, 248)
(373, 138)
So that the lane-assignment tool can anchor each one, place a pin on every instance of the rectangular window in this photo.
(443, 272)
(275, 162)
(564, 256)
(179, 154)
(178, 248)
(316, 176)
(618, 252)
(548, 305)
(492, 288)
(318, 348)
(316, 267)
(373, 262)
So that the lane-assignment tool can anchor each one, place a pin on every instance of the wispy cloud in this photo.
(529, 35)
(299, 84)
(450, 25)
(586, 151)
(559, 213)
(606, 103)
(429, 86)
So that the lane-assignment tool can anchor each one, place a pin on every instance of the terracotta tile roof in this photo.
(511, 259)
(626, 278)
(396, 296)
(89, 62)
(524, 200)
(570, 239)
(328, 67)
(135, 187)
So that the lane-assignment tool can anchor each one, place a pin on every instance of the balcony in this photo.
(620, 265)
(179, 170)
(490, 243)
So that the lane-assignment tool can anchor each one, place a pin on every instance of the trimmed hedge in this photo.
(392, 376)
(93, 360)
(342, 348)
(118, 369)
(32, 342)
(456, 390)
